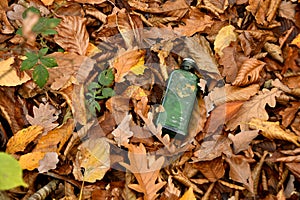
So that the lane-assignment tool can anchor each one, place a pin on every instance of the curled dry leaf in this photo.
(94, 156)
(249, 72)
(8, 74)
(289, 114)
(146, 174)
(254, 108)
(44, 116)
(72, 35)
(22, 138)
(274, 50)
(225, 36)
(272, 130)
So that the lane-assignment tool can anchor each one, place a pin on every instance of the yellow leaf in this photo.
(47, 2)
(223, 39)
(92, 50)
(31, 161)
(296, 41)
(135, 92)
(22, 138)
(188, 195)
(139, 68)
(8, 74)
(272, 130)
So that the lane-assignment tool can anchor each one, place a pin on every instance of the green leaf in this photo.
(19, 31)
(43, 51)
(28, 63)
(45, 25)
(48, 62)
(50, 32)
(40, 75)
(108, 92)
(31, 56)
(10, 172)
(93, 106)
(93, 85)
(30, 9)
(106, 77)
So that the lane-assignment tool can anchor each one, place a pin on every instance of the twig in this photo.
(42, 193)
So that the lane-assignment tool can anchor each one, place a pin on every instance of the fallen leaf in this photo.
(289, 113)
(139, 68)
(22, 138)
(47, 2)
(296, 41)
(240, 171)
(274, 51)
(225, 36)
(272, 130)
(188, 195)
(8, 74)
(145, 172)
(134, 92)
(213, 170)
(89, 1)
(287, 10)
(93, 156)
(242, 140)
(72, 35)
(44, 116)
(249, 72)
(30, 161)
(254, 108)
(124, 62)
(122, 133)
(171, 192)
(48, 162)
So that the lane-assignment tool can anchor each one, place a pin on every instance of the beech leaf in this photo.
(225, 36)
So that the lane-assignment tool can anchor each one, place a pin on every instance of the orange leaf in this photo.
(188, 195)
(22, 138)
(296, 41)
(31, 161)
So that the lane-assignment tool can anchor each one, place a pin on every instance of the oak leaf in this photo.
(242, 140)
(254, 108)
(44, 116)
(22, 138)
(94, 156)
(124, 62)
(171, 192)
(122, 133)
(188, 195)
(289, 113)
(225, 36)
(8, 74)
(272, 130)
(72, 35)
(249, 72)
(145, 172)
(240, 171)
(48, 162)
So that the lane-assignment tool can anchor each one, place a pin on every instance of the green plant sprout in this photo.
(39, 62)
(100, 90)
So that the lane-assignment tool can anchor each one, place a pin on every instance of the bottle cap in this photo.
(188, 64)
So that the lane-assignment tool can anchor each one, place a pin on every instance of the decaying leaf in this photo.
(225, 36)
(254, 108)
(8, 74)
(48, 162)
(240, 171)
(212, 170)
(272, 130)
(122, 133)
(22, 138)
(93, 156)
(44, 116)
(145, 172)
(72, 34)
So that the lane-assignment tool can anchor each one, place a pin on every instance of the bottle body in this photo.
(178, 103)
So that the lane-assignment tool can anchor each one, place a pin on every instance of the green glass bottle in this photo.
(178, 101)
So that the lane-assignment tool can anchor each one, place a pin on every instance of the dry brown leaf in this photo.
(230, 93)
(213, 170)
(196, 22)
(145, 172)
(272, 130)
(72, 35)
(47, 2)
(94, 156)
(122, 133)
(242, 140)
(249, 72)
(212, 148)
(188, 195)
(125, 61)
(289, 159)
(240, 171)
(287, 10)
(44, 116)
(5, 27)
(198, 118)
(89, 1)
(8, 74)
(48, 162)
(254, 108)
(291, 60)
(22, 138)
(55, 139)
(288, 114)
(274, 51)
(171, 192)
(225, 36)
(91, 10)
(30, 161)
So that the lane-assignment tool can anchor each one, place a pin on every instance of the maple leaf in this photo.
(72, 34)
(145, 172)
(44, 116)
(249, 72)
(254, 108)
(122, 133)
